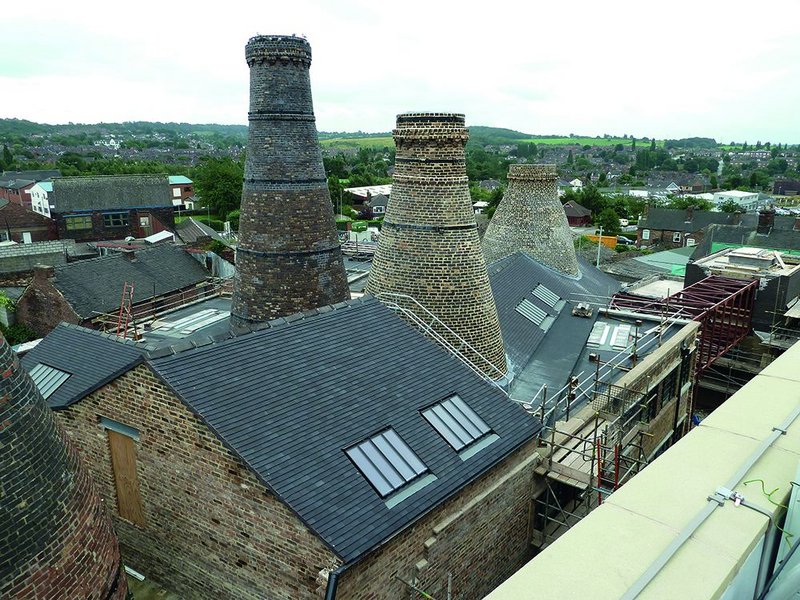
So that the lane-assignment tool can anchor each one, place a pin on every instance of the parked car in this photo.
(621, 239)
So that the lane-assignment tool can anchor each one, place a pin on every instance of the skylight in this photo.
(456, 422)
(386, 461)
(531, 312)
(545, 295)
(47, 379)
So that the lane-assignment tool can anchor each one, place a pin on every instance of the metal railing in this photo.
(434, 327)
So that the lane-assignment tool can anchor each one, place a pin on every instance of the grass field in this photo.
(583, 141)
(365, 142)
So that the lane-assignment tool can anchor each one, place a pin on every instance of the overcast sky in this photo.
(723, 69)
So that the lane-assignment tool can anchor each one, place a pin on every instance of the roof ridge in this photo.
(102, 334)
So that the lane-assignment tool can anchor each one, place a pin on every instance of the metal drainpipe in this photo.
(713, 503)
(333, 582)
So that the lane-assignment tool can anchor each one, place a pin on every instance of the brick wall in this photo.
(480, 537)
(56, 540)
(429, 246)
(288, 256)
(530, 218)
(161, 218)
(212, 530)
(42, 306)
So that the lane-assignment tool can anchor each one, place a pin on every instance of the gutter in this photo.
(333, 581)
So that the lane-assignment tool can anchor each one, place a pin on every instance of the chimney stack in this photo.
(56, 539)
(288, 259)
(429, 247)
(531, 219)
(766, 220)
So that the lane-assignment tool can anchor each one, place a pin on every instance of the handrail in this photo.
(387, 299)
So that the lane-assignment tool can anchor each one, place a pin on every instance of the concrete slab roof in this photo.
(621, 539)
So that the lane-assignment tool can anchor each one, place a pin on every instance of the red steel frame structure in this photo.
(722, 305)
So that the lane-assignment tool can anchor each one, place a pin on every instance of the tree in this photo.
(218, 182)
(729, 206)
(713, 182)
(653, 145)
(569, 157)
(8, 158)
(609, 221)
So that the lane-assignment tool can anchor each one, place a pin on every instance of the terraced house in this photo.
(111, 207)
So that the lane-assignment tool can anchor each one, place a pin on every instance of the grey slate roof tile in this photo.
(95, 286)
(104, 192)
(295, 396)
(91, 358)
(514, 278)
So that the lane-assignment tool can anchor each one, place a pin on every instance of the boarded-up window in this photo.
(122, 447)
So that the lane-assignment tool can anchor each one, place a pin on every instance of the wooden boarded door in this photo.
(123, 460)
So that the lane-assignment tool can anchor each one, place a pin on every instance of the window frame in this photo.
(70, 222)
(115, 220)
(453, 410)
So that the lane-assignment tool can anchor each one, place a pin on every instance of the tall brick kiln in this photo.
(429, 247)
(530, 219)
(56, 540)
(288, 258)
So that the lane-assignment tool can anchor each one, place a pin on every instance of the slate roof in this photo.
(514, 278)
(668, 219)
(91, 358)
(573, 209)
(35, 175)
(104, 192)
(95, 286)
(13, 215)
(189, 230)
(15, 184)
(291, 401)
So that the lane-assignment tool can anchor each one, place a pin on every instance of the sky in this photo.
(723, 69)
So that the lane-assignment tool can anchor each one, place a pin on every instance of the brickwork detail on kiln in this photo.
(530, 219)
(56, 540)
(429, 246)
(289, 257)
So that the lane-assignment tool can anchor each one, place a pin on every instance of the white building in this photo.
(746, 200)
(39, 197)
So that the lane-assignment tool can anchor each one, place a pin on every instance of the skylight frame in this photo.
(48, 379)
(456, 422)
(387, 462)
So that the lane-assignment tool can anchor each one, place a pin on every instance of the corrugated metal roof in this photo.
(293, 401)
(179, 180)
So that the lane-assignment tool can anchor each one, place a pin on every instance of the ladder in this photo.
(125, 311)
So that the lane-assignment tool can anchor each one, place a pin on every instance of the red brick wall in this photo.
(42, 306)
(480, 537)
(212, 530)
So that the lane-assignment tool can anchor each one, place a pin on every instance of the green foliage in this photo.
(233, 217)
(218, 183)
(609, 220)
(692, 142)
(730, 206)
(684, 203)
(7, 302)
(18, 333)
(216, 247)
